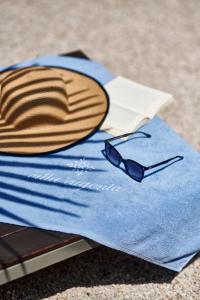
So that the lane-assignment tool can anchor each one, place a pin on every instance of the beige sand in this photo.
(156, 43)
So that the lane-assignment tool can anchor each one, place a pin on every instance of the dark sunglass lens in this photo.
(134, 170)
(112, 154)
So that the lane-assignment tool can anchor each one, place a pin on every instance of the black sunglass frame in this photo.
(142, 168)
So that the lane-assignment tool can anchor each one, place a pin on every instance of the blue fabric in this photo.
(89, 67)
(79, 191)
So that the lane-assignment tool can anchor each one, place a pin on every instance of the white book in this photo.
(131, 105)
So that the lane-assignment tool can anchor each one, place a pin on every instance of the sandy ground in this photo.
(153, 42)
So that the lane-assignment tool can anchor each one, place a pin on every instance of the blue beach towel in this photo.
(78, 191)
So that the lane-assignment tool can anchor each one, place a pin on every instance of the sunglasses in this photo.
(133, 168)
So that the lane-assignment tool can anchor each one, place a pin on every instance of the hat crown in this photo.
(33, 96)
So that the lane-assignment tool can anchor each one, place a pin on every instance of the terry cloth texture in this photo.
(79, 191)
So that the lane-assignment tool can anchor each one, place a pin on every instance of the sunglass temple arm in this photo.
(127, 134)
(163, 162)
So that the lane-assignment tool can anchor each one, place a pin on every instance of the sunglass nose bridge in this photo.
(145, 168)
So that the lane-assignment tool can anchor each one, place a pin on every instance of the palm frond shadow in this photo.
(15, 199)
(35, 165)
(20, 192)
(56, 156)
(41, 181)
(27, 191)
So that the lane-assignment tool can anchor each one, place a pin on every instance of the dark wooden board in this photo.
(30, 242)
(6, 229)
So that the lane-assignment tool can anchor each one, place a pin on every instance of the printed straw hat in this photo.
(44, 109)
